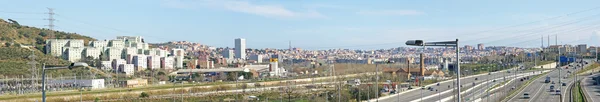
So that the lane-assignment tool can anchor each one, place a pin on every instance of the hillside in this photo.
(13, 58)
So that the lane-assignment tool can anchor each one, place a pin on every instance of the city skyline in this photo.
(316, 24)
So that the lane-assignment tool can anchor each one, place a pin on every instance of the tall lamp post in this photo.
(447, 44)
(73, 65)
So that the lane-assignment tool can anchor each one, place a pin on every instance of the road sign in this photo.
(273, 60)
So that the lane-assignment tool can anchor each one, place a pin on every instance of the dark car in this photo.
(564, 84)
(475, 78)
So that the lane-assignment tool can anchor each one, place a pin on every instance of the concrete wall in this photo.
(547, 66)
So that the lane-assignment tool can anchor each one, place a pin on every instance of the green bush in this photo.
(144, 95)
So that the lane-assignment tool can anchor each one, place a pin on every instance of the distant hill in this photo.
(18, 41)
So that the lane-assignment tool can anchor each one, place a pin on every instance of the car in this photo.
(557, 92)
(564, 84)
(526, 95)
(438, 84)
(551, 86)
(553, 82)
(521, 79)
(475, 78)
(494, 80)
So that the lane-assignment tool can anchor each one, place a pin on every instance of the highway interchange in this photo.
(476, 90)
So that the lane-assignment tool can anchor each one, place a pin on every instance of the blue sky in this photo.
(318, 24)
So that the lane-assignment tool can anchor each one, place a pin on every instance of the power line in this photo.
(564, 24)
(21, 12)
(478, 32)
(556, 17)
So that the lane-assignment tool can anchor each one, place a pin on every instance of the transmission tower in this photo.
(50, 19)
(32, 63)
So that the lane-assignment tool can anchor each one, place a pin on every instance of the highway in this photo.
(539, 91)
(446, 88)
(592, 91)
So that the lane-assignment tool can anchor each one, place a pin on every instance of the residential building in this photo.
(227, 53)
(240, 48)
(480, 47)
(106, 65)
(582, 49)
(153, 62)
(55, 47)
(128, 69)
(117, 62)
(256, 57)
(99, 44)
(93, 52)
(73, 54)
(167, 63)
(115, 53)
(117, 43)
(140, 62)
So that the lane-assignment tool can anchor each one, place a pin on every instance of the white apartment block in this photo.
(117, 43)
(154, 62)
(140, 62)
(177, 52)
(99, 44)
(128, 69)
(94, 52)
(167, 63)
(178, 61)
(115, 53)
(162, 53)
(117, 62)
(56, 47)
(73, 54)
(106, 65)
(130, 51)
(130, 38)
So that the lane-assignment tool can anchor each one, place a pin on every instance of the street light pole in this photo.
(458, 68)
(73, 65)
(44, 82)
(447, 44)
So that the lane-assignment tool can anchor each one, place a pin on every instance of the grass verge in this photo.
(594, 65)
(577, 93)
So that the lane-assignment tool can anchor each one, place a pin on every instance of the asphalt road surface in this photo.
(592, 91)
(539, 91)
(446, 88)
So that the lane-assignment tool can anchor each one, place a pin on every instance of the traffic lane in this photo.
(592, 91)
(533, 87)
(449, 98)
(546, 94)
(416, 94)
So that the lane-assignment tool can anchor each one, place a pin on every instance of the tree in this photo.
(7, 44)
(144, 95)
(14, 22)
(43, 34)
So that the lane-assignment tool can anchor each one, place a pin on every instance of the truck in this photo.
(547, 79)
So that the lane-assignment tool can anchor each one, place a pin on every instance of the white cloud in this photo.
(275, 11)
(390, 12)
